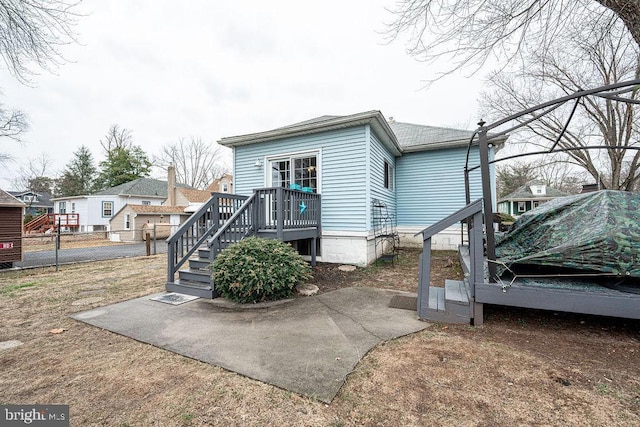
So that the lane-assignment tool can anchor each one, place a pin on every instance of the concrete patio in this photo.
(307, 345)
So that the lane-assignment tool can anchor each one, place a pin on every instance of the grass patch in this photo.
(11, 289)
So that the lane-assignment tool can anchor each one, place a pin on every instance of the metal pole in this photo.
(57, 242)
(488, 204)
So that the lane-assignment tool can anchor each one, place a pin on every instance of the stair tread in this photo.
(191, 284)
(456, 291)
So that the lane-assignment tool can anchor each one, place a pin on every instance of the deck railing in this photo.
(202, 225)
(225, 219)
(282, 208)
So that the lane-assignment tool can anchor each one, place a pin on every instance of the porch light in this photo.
(258, 163)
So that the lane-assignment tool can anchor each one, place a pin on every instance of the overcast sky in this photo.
(167, 69)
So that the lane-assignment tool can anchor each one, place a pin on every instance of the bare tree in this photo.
(581, 63)
(13, 123)
(197, 162)
(32, 31)
(467, 33)
(34, 175)
(117, 138)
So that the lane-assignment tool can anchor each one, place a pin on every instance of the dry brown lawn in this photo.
(522, 367)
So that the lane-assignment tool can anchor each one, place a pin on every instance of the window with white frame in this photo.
(73, 207)
(127, 221)
(536, 204)
(522, 206)
(295, 171)
(225, 188)
(62, 207)
(107, 209)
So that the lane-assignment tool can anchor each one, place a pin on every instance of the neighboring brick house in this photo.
(224, 184)
(528, 197)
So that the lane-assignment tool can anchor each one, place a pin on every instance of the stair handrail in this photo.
(248, 203)
(476, 245)
(210, 206)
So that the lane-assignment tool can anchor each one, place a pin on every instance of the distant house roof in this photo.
(194, 195)
(525, 193)
(43, 200)
(140, 187)
(7, 199)
(396, 136)
(156, 209)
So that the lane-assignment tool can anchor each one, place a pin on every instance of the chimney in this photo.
(171, 185)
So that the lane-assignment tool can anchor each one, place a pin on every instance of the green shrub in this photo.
(255, 270)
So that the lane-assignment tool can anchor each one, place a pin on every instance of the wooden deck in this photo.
(572, 295)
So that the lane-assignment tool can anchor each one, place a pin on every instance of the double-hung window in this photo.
(107, 209)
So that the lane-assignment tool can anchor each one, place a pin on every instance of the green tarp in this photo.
(593, 233)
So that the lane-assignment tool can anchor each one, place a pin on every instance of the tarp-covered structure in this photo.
(595, 232)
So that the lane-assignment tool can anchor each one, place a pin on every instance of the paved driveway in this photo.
(96, 253)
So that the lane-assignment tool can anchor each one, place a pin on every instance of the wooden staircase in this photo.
(49, 221)
(226, 219)
(455, 303)
(195, 280)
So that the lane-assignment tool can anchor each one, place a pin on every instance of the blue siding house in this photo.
(416, 170)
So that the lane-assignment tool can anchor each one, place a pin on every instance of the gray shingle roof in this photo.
(412, 137)
(43, 200)
(397, 136)
(525, 193)
(140, 187)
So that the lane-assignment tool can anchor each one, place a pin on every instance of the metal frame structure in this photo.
(484, 138)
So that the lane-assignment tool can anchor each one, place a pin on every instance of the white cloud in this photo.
(213, 69)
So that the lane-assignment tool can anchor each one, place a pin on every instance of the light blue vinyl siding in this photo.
(377, 189)
(342, 172)
(430, 185)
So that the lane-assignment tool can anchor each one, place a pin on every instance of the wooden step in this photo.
(192, 288)
(443, 311)
(456, 292)
(194, 275)
(199, 264)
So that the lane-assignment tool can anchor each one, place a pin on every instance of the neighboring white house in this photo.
(96, 210)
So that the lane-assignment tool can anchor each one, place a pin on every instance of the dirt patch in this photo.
(522, 367)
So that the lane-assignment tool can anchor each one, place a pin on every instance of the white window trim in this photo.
(127, 221)
(113, 207)
(524, 206)
(317, 153)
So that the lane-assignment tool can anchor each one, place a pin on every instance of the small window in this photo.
(62, 207)
(127, 221)
(536, 204)
(225, 188)
(522, 206)
(388, 176)
(146, 202)
(107, 209)
(73, 207)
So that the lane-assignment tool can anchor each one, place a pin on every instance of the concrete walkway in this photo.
(306, 345)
